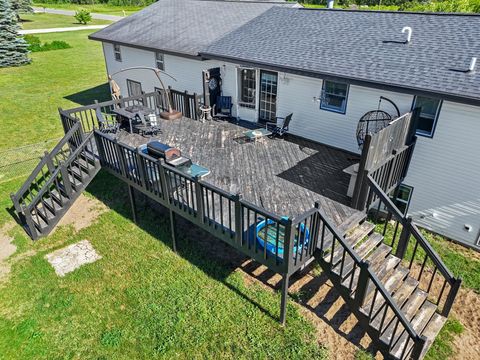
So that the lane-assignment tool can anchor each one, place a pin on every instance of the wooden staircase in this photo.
(392, 280)
(56, 182)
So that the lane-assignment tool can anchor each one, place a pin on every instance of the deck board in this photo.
(284, 177)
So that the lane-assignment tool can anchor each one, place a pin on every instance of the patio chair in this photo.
(147, 125)
(223, 107)
(280, 127)
(105, 126)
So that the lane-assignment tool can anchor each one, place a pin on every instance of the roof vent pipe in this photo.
(330, 4)
(473, 62)
(408, 29)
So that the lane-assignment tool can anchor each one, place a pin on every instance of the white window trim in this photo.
(157, 61)
(248, 105)
(435, 120)
(333, 109)
(119, 52)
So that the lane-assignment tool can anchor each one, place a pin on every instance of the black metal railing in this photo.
(362, 286)
(182, 101)
(40, 211)
(45, 169)
(262, 235)
(413, 249)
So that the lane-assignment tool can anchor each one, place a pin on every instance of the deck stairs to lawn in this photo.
(56, 182)
(394, 297)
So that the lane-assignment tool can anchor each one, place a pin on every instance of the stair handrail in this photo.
(42, 191)
(78, 150)
(373, 277)
(58, 170)
(45, 159)
(413, 229)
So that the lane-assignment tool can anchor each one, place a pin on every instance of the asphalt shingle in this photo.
(363, 46)
(183, 26)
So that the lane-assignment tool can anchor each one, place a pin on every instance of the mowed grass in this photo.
(95, 8)
(31, 94)
(141, 300)
(45, 20)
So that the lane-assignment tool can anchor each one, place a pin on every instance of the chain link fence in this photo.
(20, 161)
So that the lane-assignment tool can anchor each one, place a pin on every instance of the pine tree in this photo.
(21, 6)
(13, 48)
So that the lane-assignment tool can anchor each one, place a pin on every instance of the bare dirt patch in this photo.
(83, 213)
(465, 310)
(6, 249)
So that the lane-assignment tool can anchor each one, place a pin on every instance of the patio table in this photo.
(254, 135)
(131, 112)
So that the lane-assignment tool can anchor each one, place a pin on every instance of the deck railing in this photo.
(256, 232)
(40, 210)
(46, 167)
(412, 248)
(182, 101)
(346, 268)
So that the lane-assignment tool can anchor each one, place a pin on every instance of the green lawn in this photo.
(43, 21)
(141, 300)
(95, 8)
(31, 94)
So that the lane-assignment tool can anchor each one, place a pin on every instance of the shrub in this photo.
(83, 16)
(35, 45)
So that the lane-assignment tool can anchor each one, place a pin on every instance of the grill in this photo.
(172, 156)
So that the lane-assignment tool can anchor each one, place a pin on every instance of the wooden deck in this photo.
(284, 177)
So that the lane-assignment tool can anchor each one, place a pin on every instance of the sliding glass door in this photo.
(268, 96)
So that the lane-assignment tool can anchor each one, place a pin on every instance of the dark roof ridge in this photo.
(393, 12)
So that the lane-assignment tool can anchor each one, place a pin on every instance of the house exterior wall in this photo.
(444, 171)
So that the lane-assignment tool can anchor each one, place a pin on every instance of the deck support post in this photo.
(173, 229)
(131, 195)
(283, 304)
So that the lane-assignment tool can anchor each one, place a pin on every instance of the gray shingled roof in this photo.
(363, 47)
(183, 26)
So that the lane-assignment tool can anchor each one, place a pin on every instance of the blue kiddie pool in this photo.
(271, 234)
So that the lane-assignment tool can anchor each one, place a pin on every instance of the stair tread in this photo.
(352, 222)
(376, 259)
(352, 239)
(419, 322)
(409, 309)
(391, 283)
(431, 331)
(387, 267)
(347, 226)
(400, 297)
(358, 233)
(368, 245)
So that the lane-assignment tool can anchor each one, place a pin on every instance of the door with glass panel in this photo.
(268, 96)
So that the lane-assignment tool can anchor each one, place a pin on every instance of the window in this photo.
(247, 88)
(134, 88)
(334, 96)
(159, 61)
(402, 200)
(429, 110)
(117, 53)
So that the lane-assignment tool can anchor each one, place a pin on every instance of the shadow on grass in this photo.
(214, 257)
(88, 96)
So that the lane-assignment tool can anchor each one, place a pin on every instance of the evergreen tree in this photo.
(21, 6)
(13, 48)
